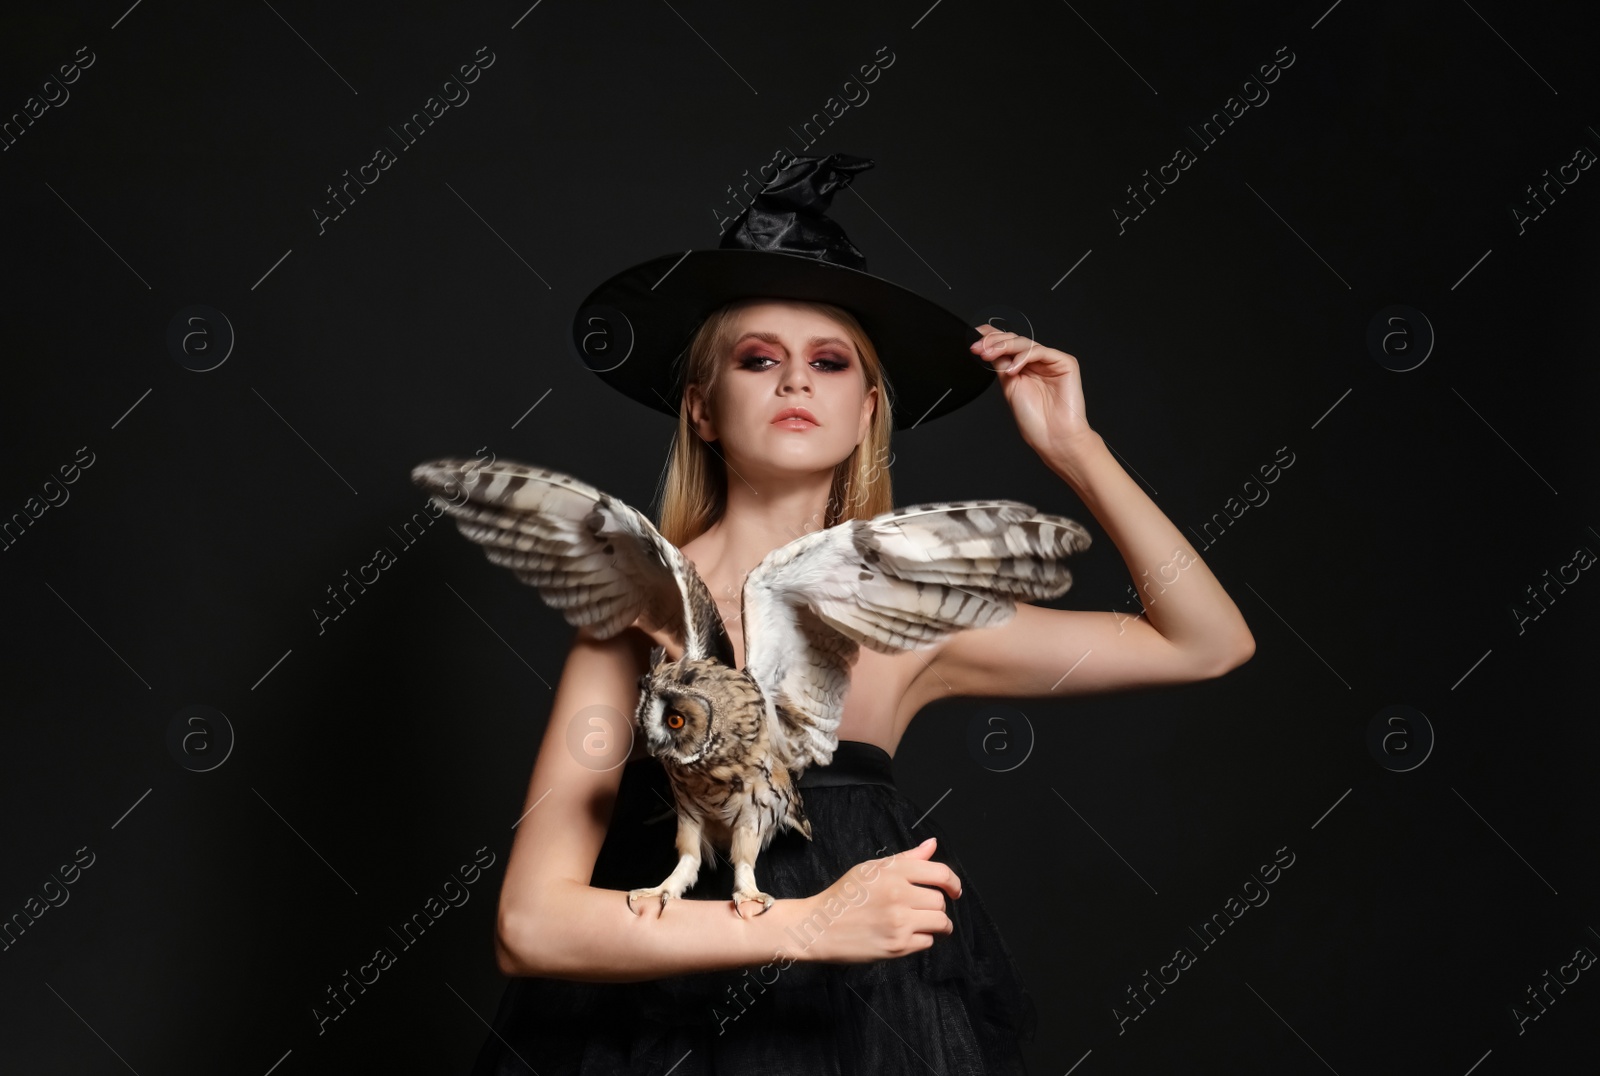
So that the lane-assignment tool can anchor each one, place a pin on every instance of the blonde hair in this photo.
(695, 489)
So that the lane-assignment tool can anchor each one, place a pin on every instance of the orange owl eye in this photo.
(674, 721)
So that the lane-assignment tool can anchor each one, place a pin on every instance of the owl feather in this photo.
(903, 580)
(598, 560)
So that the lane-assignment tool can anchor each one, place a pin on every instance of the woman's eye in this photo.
(828, 362)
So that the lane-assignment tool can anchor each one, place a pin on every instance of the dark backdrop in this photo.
(233, 801)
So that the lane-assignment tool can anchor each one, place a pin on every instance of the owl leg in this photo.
(684, 874)
(744, 847)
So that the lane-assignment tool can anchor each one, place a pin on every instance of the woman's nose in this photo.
(796, 377)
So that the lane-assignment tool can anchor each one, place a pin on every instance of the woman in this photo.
(877, 956)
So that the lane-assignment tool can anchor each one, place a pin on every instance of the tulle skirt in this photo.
(958, 1008)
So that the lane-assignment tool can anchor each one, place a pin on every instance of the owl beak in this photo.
(656, 741)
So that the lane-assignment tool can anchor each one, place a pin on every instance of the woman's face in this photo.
(786, 356)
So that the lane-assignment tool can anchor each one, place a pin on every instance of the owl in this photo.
(733, 741)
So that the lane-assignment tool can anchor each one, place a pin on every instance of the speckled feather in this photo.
(598, 560)
(903, 580)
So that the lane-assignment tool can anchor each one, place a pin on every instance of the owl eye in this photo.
(674, 721)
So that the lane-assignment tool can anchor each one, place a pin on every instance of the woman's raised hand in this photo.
(1044, 388)
(881, 908)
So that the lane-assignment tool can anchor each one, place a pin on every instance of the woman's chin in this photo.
(796, 451)
(797, 464)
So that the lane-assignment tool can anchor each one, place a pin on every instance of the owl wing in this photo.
(599, 561)
(903, 580)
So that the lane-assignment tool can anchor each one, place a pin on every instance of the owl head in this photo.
(681, 705)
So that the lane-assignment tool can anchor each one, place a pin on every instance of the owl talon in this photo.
(656, 891)
(766, 900)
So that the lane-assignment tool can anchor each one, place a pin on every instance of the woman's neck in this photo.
(755, 523)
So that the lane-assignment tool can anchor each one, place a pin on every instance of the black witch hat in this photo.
(633, 331)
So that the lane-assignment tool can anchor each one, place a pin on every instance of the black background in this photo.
(1230, 321)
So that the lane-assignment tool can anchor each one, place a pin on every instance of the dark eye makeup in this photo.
(831, 363)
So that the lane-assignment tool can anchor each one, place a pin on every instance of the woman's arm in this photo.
(1190, 629)
(1184, 603)
(551, 921)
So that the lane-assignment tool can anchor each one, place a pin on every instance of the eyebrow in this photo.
(775, 340)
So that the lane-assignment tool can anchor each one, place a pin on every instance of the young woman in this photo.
(878, 955)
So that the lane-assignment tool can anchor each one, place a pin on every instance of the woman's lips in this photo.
(795, 418)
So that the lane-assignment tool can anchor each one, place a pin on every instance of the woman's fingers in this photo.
(1006, 352)
(931, 885)
(999, 342)
(920, 851)
(923, 898)
(933, 873)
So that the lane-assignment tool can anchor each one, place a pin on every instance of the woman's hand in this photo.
(881, 908)
(1044, 388)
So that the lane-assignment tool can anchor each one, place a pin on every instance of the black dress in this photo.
(958, 1008)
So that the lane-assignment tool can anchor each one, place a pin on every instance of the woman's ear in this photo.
(869, 404)
(699, 416)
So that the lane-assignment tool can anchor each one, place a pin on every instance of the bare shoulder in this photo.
(591, 716)
(623, 658)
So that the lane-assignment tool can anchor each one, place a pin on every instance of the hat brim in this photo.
(634, 329)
